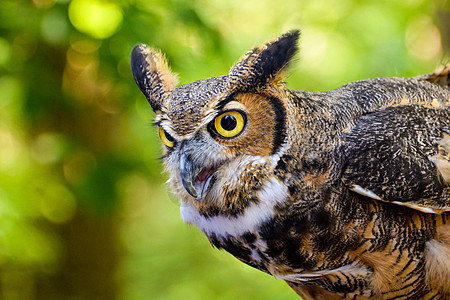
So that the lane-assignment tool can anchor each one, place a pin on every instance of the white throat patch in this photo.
(274, 192)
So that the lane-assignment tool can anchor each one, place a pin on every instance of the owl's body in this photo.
(343, 194)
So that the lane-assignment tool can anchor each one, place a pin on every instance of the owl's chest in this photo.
(266, 233)
(272, 248)
(254, 237)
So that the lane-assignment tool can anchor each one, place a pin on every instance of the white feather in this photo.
(418, 207)
(255, 256)
(354, 270)
(360, 190)
(273, 193)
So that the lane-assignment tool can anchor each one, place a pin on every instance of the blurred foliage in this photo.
(84, 211)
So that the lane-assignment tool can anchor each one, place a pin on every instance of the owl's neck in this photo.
(272, 193)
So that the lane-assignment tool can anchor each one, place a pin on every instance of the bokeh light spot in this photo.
(44, 3)
(58, 204)
(6, 209)
(11, 92)
(99, 19)
(54, 28)
(5, 51)
(85, 46)
(423, 39)
(315, 49)
(47, 148)
(10, 150)
(77, 166)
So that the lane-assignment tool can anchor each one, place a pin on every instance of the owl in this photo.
(342, 194)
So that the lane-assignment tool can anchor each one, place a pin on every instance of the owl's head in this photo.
(223, 135)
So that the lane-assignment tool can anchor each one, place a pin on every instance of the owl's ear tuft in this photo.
(266, 63)
(152, 74)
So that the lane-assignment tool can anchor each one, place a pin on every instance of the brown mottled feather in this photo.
(343, 194)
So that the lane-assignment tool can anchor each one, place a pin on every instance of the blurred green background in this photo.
(84, 210)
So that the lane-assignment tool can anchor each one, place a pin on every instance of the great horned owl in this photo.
(342, 194)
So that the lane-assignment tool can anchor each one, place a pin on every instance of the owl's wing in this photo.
(401, 155)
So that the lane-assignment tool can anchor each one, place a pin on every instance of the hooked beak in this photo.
(197, 180)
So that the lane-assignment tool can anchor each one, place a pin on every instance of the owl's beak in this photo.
(196, 179)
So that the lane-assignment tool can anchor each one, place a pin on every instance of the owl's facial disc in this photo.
(196, 179)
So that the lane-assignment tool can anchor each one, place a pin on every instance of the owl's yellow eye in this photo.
(229, 124)
(166, 138)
